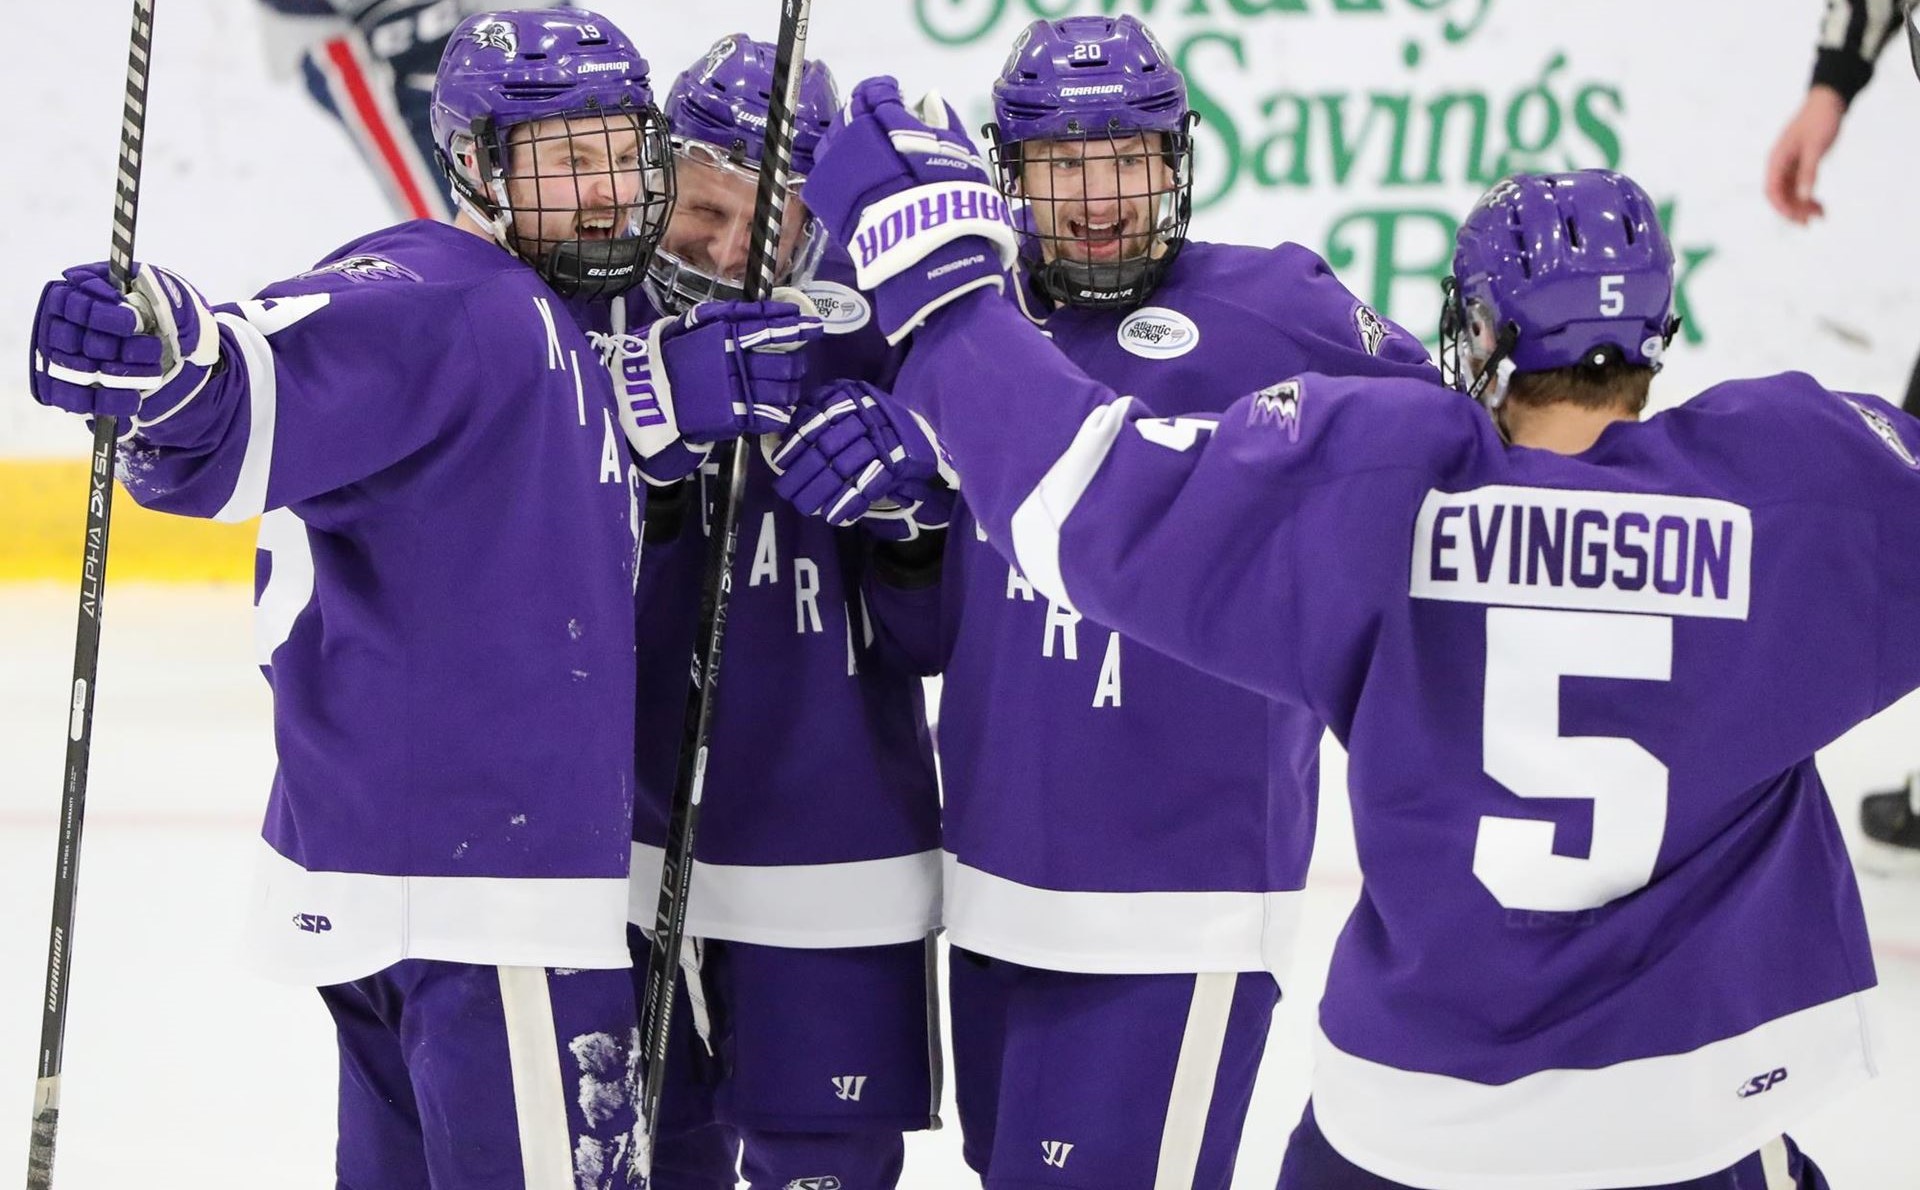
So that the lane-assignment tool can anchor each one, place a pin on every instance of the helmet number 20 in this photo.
(1612, 300)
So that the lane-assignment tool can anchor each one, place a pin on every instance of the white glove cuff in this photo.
(650, 424)
(899, 231)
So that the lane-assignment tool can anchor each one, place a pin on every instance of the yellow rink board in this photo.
(43, 515)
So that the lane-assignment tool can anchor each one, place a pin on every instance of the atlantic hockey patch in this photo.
(1155, 332)
(1277, 405)
(1373, 329)
(1883, 429)
(496, 35)
(365, 267)
(843, 310)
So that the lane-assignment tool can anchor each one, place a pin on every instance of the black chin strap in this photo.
(594, 268)
(1121, 285)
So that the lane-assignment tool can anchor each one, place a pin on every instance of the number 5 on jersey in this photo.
(1528, 652)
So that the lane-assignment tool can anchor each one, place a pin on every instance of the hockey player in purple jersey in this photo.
(1126, 836)
(1609, 935)
(444, 607)
(814, 896)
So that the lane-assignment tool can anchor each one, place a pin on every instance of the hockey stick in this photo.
(676, 869)
(86, 645)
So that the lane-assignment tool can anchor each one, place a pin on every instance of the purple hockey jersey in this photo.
(820, 824)
(1609, 934)
(444, 605)
(1109, 808)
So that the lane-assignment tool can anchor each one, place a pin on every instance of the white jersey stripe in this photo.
(283, 536)
(1773, 1164)
(1036, 523)
(876, 902)
(1191, 1099)
(317, 928)
(249, 496)
(539, 1090)
(1140, 933)
(1644, 1122)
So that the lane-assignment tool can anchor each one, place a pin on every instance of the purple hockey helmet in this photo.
(1556, 271)
(717, 117)
(1112, 211)
(506, 71)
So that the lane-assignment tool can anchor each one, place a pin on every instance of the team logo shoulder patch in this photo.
(1277, 405)
(1155, 332)
(1373, 328)
(843, 310)
(365, 266)
(496, 35)
(1884, 429)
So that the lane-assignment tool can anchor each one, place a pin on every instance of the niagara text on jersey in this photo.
(443, 609)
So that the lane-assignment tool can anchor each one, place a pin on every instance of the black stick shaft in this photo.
(86, 646)
(676, 872)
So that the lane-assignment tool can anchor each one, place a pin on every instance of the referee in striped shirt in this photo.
(1852, 34)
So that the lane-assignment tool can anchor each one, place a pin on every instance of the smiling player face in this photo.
(712, 221)
(574, 178)
(1096, 201)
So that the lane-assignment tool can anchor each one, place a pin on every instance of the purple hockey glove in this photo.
(905, 192)
(719, 371)
(854, 454)
(142, 355)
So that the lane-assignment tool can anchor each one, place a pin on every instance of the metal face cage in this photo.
(1105, 213)
(584, 196)
(1471, 349)
(703, 253)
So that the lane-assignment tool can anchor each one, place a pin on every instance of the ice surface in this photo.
(184, 1070)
